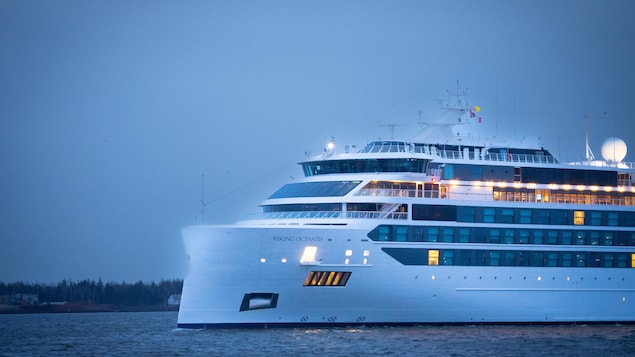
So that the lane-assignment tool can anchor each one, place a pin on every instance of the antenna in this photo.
(589, 154)
(203, 204)
(392, 128)
(459, 94)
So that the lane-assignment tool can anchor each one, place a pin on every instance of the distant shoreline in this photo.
(78, 307)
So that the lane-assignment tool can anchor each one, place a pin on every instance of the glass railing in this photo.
(328, 215)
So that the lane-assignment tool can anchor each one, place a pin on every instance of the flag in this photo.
(480, 120)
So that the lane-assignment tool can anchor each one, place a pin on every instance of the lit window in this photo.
(284, 260)
(366, 252)
(348, 253)
(263, 260)
(365, 261)
(347, 261)
(633, 260)
(433, 257)
(308, 256)
(327, 278)
(578, 217)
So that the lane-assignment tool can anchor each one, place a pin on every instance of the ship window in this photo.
(416, 234)
(401, 233)
(552, 237)
(433, 234)
(494, 258)
(552, 259)
(508, 258)
(613, 218)
(566, 237)
(580, 238)
(607, 260)
(507, 216)
(541, 216)
(465, 214)
(433, 257)
(525, 216)
(633, 260)
(477, 173)
(327, 278)
(567, 259)
(365, 165)
(478, 235)
(508, 236)
(494, 236)
(315, 189)
(558, 217)
(489, 215)
(464, 235)
(448, 172)
(594, 260)
(578, 217)
(608, 238)
(448, 235)
(384, 233)
(448, 257)
(594, 238)
(621, 260)
(538, 237)
(433, 213)
(580, 259)
(596, 219)
(536, 259)
(478, 257)
(523, 236)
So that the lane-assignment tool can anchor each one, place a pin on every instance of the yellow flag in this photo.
(477, 108)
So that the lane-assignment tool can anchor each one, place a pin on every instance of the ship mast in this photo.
(392, 129)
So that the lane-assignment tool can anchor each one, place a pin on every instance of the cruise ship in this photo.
(444, 228)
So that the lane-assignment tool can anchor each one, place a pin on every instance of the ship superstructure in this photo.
(439, 229)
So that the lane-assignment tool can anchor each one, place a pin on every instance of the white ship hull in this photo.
(227, 263)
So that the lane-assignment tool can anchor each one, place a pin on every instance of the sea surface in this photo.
(155, 333)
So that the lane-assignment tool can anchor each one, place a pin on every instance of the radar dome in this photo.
(614, 149)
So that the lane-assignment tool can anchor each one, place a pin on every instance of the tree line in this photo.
(97, 292)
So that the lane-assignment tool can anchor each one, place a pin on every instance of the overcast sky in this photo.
(110, 111)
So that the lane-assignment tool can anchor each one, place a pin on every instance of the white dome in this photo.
(614, 149)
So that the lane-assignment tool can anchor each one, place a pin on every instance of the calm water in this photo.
(154, 333)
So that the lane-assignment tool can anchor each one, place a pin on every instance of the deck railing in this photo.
(330, 215)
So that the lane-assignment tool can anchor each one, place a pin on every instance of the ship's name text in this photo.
(296, 239)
